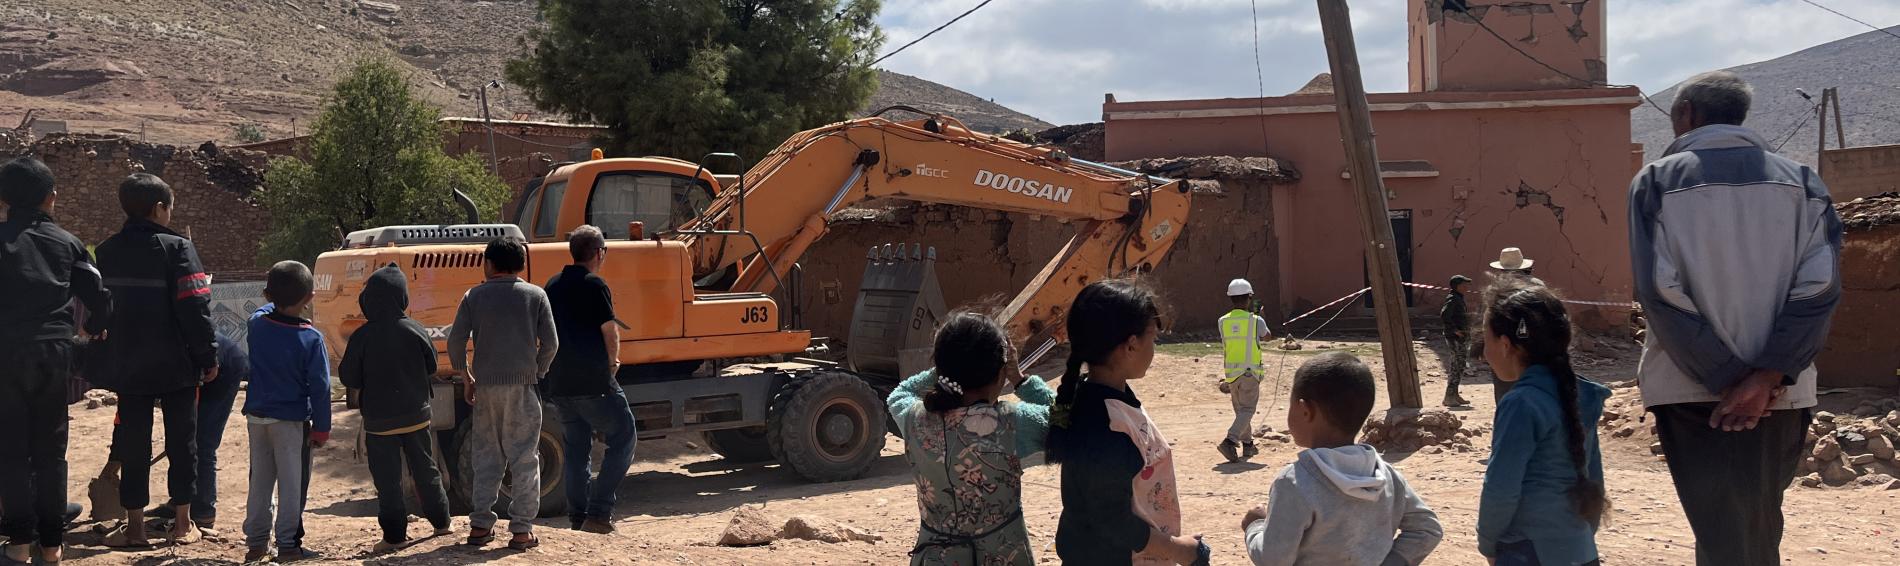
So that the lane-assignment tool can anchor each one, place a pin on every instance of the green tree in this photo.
(376, 159)
(687, 77)
(249, 133)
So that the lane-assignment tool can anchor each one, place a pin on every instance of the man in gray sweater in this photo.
(515, 342)
(1340, 503)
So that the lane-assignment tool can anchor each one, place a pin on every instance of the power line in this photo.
(1566, 74)
(932, 32)
(1797, 127)
(1260, 76)
(1856, 20)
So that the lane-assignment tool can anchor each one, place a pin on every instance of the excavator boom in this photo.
(1128, 220)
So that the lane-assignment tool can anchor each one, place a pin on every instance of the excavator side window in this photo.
(550, 212)
(661, 201)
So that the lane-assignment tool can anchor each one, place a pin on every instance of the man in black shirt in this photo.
(42, 268)
(582, 385)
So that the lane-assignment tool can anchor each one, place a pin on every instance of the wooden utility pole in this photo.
(1820, 154)
(1833, 96)
(1355, 128)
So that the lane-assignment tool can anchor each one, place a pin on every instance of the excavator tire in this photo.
(740, 445)
(828, 428)
(551, 450)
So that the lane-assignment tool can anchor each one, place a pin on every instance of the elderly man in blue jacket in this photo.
(1736, 259)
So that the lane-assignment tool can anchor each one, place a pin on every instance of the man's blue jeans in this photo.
(215, 400)
(583, 418)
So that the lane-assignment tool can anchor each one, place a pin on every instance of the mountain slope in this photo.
(1862, 67)
(982, 114)
(186, 71)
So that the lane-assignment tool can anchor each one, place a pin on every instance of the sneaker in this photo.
(1248, 450)
(1229, 449)
(257, 554)
(597, 526)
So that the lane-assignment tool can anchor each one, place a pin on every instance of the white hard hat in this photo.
(1239, 287)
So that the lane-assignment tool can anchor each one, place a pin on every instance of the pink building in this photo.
(1488, 150)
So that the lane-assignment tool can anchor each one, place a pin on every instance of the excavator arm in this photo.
(756, 230)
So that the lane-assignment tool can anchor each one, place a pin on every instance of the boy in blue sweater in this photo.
(287, 409)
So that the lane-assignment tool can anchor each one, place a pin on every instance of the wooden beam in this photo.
(1355, 127)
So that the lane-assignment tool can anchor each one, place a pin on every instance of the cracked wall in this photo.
(991, 255)
(1551, 180)
(1452, 50)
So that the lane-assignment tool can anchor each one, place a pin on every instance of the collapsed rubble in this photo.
(752, 526)
(1854, 448)
(1414, 430)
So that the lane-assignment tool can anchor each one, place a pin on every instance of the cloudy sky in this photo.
(1053, 59)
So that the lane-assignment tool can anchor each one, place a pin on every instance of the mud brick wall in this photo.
(213, 187)
(986, 254)
(1860, 351)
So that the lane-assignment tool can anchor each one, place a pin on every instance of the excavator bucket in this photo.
(895, 319)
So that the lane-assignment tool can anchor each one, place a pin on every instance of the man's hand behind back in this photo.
(1745, 403)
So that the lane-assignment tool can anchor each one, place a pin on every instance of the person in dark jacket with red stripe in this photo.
(160, 346)
(42, 268)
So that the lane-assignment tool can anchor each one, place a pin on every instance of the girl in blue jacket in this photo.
(1543, 491)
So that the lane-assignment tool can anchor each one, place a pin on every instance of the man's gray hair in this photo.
(1717, 97)
(585, 242)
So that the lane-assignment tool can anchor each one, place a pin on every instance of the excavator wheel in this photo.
(550, 449)
(740, 445)
(828, 428)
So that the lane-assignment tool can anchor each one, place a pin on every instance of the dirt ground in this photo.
(678, 498)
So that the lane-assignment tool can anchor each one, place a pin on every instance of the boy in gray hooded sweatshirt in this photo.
(1340, 503)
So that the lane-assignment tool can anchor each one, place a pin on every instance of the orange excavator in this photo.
(694, 259)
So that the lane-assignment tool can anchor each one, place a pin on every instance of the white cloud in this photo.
(1054, 59)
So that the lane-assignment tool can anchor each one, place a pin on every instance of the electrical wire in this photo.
(1797, 128)
(931, 32)
(1260, 76)
(1856, 20)
(1566, 74)
(1280, 373)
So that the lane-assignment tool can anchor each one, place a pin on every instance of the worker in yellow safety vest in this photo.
(1241, 333)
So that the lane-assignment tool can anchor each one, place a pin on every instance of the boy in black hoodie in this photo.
(391, 360)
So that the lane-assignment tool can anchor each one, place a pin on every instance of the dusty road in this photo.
(679, 497)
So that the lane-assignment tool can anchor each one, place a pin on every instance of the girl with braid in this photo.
(966, 446)
(1543, 490)
(1119, 499)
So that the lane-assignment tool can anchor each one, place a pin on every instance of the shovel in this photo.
(103, 492)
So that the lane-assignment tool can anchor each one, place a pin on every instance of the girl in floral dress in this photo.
(965, 446)
(1120, 504)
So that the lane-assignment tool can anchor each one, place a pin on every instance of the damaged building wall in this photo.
(1453, 51)
(213, 187)
(1474, 172)
(1857, 172)
(1859, 352)
(986, 257)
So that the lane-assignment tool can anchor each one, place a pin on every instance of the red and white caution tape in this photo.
(1326, 306)
(1356, 294)
(1618, 304)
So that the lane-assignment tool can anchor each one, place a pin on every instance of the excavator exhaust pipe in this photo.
(894, 322)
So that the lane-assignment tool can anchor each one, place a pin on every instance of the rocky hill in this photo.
(186, 71)
(1862, 67)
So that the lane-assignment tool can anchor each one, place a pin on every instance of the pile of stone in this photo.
(1868, 212)
(1414, 430)
(752, 526)
(1854, 449)
(1857, 448)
